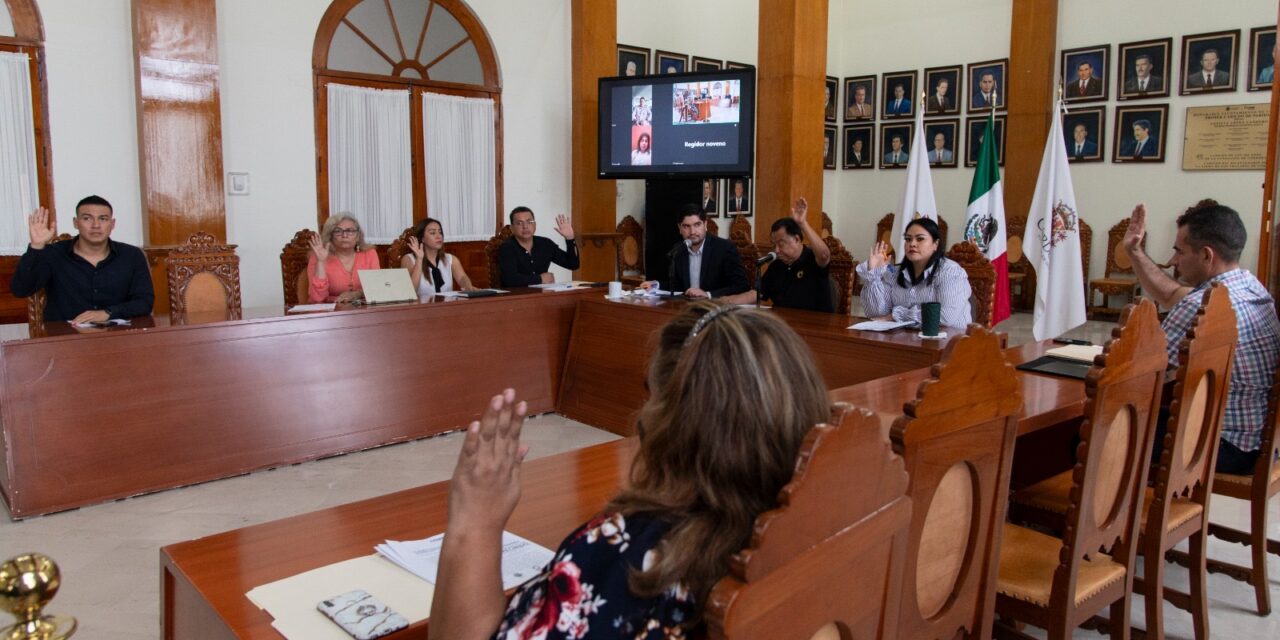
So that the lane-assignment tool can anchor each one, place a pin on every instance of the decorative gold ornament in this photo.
(27, 583)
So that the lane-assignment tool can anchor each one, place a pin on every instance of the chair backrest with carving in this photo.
(1122, 390)
(840, 270)
(37, 302)
(203, 277)
(957, 439)
(631, 247)
(491, 254)
(1086, 251)
(293, 267)
(399, 248)
(712, 227)
(814, 562)
(1018, 261)
(748, 253)
(1190, 445)
(1266, 472)
(1117, 258)
(982, 279)
(828, 229)
(740, 230)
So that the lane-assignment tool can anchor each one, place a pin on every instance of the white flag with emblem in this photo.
(917, 200)
(1052, 243)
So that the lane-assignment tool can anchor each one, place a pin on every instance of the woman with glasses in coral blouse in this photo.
(338, 253)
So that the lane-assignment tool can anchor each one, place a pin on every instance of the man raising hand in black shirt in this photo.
(524, 258)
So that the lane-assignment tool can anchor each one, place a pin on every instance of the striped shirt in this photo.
(882, 296)
(1257, 352)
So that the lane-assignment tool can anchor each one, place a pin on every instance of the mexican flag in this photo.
(984, 218)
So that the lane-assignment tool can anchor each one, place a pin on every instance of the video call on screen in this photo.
(685, 123)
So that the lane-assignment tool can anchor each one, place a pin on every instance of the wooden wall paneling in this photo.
(790, 77)
(1268, 268)
(1030, 96)
(594, 51)
(179, 119)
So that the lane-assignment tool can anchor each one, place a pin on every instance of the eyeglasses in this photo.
(345, 232)
(523, 223)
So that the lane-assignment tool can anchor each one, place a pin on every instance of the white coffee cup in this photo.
(615, 289)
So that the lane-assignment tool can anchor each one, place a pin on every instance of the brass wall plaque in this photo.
(1231, 138)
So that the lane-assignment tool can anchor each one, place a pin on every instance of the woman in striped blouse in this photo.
(892, 292)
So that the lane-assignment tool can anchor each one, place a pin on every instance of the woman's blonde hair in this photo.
(326, 232)
(733, 392)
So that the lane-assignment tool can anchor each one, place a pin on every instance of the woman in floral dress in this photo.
(733, 393)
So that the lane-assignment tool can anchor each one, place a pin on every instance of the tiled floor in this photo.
(109, 553)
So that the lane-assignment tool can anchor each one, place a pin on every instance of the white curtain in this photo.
(19, 188)
(461, 173)
(370, 172)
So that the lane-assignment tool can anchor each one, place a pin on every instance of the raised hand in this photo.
(320, 248)
(43, 228)
(799, 209)
(417, 249)
(879, 256)
(486, 483)
(563, 227)
(1137, 228)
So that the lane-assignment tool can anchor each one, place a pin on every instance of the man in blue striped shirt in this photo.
(1207, 250)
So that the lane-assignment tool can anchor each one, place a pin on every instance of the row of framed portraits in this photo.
(635, 61)
(736, 200)
(1139, 135)
(900, 98)
(1210, 64)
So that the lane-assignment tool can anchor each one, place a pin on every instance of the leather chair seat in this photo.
(1029, 558)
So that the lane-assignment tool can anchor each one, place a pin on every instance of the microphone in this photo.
(766, 258)
(676, 249)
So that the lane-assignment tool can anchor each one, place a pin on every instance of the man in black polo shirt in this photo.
(525, 258)
(798, 278)
(90, 279)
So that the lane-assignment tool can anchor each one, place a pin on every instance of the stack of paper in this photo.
(521, 559)
(880, 325)
(1076, 352)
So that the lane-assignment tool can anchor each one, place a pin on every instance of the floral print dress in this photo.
(583, 592)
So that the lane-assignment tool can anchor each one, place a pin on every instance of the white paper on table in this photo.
(647, 293)
(880, 325)
(119, 322)
(292, 601)
(521, 559)
(1076, 352)
(306, 308)
(450, 294)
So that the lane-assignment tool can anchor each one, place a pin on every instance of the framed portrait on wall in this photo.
(632, 61)
(1209, 62)
(976, 132)
(899, 95)
(832, 99)
(941, 138)
(1084, 73)
(667, 62)
(706, 64)
(738, 199)
(710, 200)
(944, 86)
(1140, 133)
(859, 146)
(895, 143)
(1262, 58)
(1144, 69)
(1084, 132)
(987, 85)
(829, 147)
(860, 98)
(738, 65)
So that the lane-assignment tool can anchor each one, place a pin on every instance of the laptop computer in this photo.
(382, 286)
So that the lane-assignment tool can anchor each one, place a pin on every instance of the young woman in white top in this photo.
(441, 270)
(895, 292)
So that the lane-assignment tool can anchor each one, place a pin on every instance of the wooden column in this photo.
(791, 72)
(1030, 95)
(1268, 268)
(179, 120)
(595, 41)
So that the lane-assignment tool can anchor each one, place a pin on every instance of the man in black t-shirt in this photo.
(798, 279)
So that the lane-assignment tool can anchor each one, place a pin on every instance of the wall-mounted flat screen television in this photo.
(685, 124)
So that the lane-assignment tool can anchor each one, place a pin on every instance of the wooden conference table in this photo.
(203, 581)
(94, 416)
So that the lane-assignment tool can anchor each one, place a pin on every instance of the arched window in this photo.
(26, 181)
(401, 85)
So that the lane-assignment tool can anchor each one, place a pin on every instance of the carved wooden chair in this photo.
(1086, 252)
(1058, 583)
(293, 267)
(817, 567)
(957, 439)
(204, 277)
(399, 248)
(827, 228)
(1257, 489)
(1022, 275)
(1175, 506)
(631, 252)
(712, 227)
(1119, 279)
(38, 301)
(740, 236)
(982, 279)
(840, 270)
(491, 254)
(740, 229)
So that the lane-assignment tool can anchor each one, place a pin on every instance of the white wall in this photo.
(268, 123)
